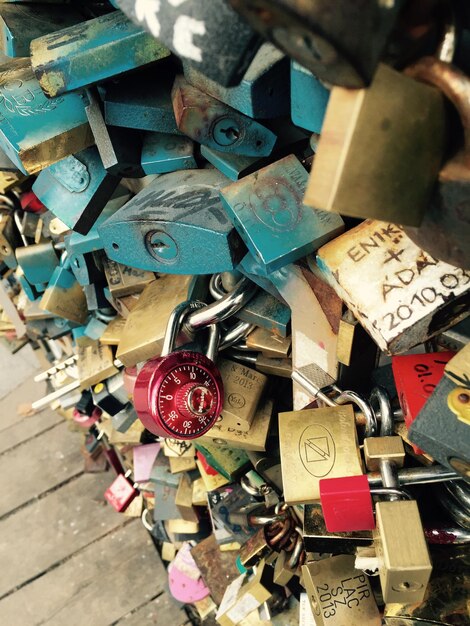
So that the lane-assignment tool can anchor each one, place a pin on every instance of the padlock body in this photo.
(179, 395)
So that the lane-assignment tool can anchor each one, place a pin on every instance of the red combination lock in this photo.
(180, 394)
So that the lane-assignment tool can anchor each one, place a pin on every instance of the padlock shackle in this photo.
(235, 334)
(175, 322)
(453, 83)
(416, 476)
(225, 307)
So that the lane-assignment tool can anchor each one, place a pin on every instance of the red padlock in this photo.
(347, 504)
(416, 376)
(120, 493)
(180, 394)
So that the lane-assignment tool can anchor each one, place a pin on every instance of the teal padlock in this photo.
(306, 88)
(76, 189)
(36, 131)
(91, 52)
(268, 211)
(163, 153)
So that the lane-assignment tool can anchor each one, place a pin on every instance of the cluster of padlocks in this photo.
(239, 230)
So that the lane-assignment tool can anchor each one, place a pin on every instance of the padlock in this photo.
(243, 388)
(226, 432)
(305, 87)
(38, 263)
(184, 500)
(123, 420)
(10, 239)
(120, 149)
(120, 493)
(404, 563)
(64, 297)
(268, 343)
(444, 231)
(214, 39)
(396, 180)
(144, 332)
(110, 394)
(216, 125)
(41, 20)
(357, 354)
(124, 280)
(410, 297)
(163, 153)
(338, 593)
(84, 54)
(95, 364)
(262, 309)
(326, 42)
(441, 427)
(217, 568)
(76, 189)
(140, 102)
(262, 92)
(416, 376)
(190, 380)
(233, 166)
(229, 461)
(172, 223)
(268, 204)
(314, 444)
(316, 315)
(36, 131)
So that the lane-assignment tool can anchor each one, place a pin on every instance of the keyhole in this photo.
(231, 133)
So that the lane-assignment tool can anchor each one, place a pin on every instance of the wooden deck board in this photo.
(45, 532)
(38, 465)
(97, 586)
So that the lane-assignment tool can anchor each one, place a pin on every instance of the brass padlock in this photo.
(404, 563)
(243, 389)
(316, 444)
(339, 594)
(367, 138)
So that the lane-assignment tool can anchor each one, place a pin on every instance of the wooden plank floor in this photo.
(67, 557)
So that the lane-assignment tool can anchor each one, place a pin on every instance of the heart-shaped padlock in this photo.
(180, 394)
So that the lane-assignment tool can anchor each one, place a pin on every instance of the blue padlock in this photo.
(216, 125)
(163, 153)
(36, 131)
(142, 101)
(20, 23)
(233, 166)
(263, 91)
(91, 52)
(309, 98)
(175, 225)
(268, 211)
(76, 189)
(38, 262)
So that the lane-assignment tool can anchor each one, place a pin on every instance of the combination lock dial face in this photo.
(180, 395)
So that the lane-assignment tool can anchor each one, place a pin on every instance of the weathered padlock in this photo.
(163, 153)
(36, 131)
(262, 92)
(341, 46)
(441, 427)
(305, 87)
(216, 125)
(40, 19)
(213, 38)
(76, 189)
(444, 231)
(268, 204)
(180, 393)
(410, 296)
(139, 101)
(171, 224)
(90, 52)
